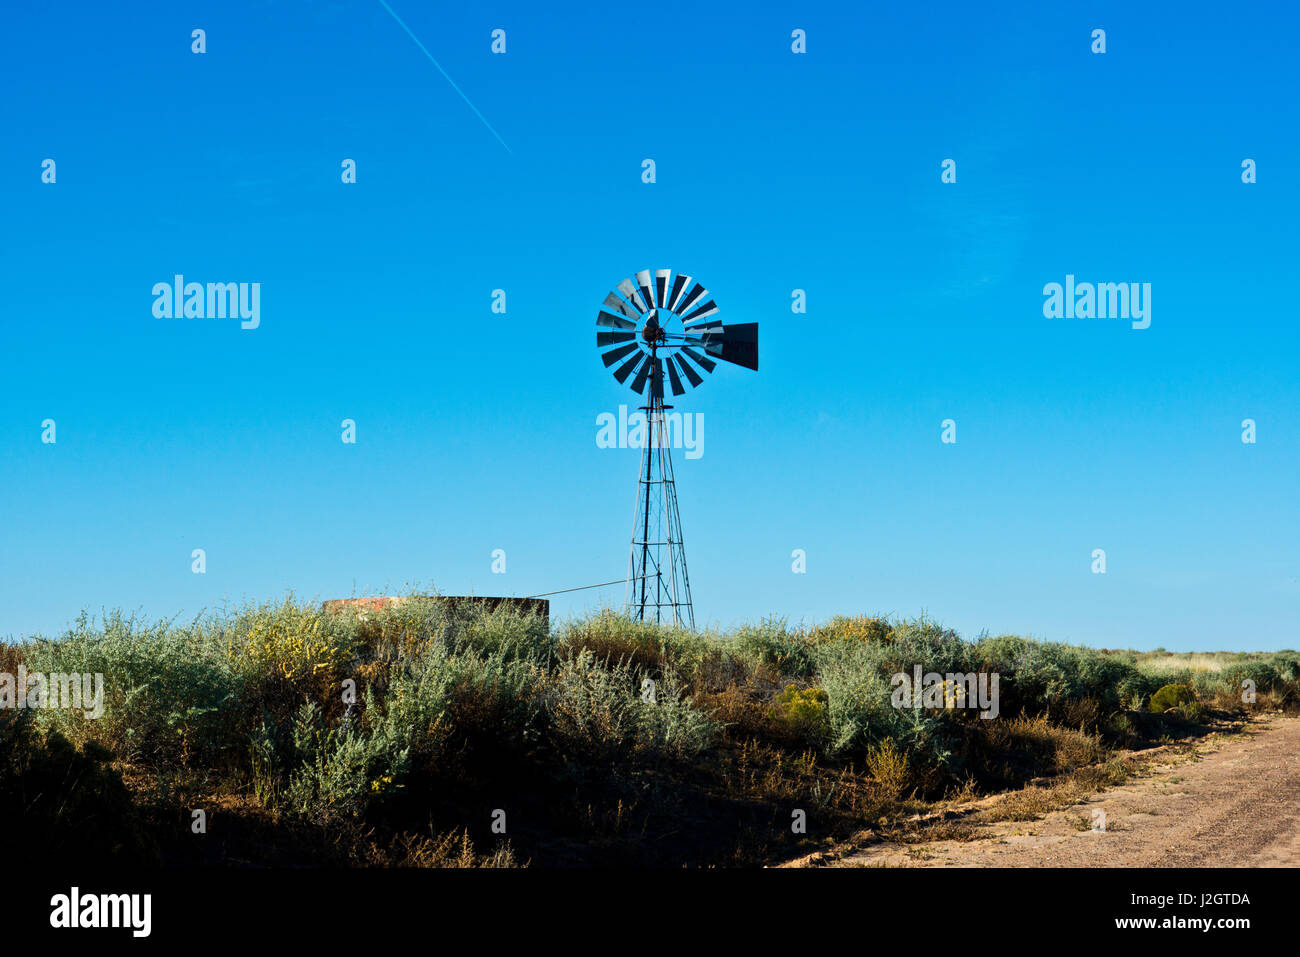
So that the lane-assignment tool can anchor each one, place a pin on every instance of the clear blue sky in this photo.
(775, 171)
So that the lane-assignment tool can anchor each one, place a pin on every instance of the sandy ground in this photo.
(1232, 801)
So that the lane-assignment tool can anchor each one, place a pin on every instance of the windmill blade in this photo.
(706, 364)
(647, 287)
(737, 331)
(708, 309)
(673, 379)
(625, 370)
(679, 284)
(736, 343)
(695, 379)
(629, 292)
(615, 303)
(609, 358)
(639, 382)
(604, 318)
(611, 338)
(696, 291)
(661, 286)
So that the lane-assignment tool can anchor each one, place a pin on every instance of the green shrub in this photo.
(485, 705)
(510, 632)
(1191, 710)
(403, 629)
(613, 639)
(859, 711)
(342, 771)
(771, 642)
(1041, 675)
(1172, 696)
(170, 694)
(601, 713)
(928, 644)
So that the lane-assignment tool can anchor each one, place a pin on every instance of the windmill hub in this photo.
(660, 328)
(664, 328)
(652, 333)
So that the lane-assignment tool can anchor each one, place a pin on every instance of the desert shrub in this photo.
(403, 629)
(613, 639)
(168, 692)
(669, 725)
(11, 656)
(803, 709)
(1120, 729)
(1080, 713)
(508, 631)
(888, 767)
(689, 654)
(1039, 675)
(859, 712)
(1265, 674)
(266, 764)
(741, 712)
(928, 644)
(1286, 664)
(853, 628)
(598, 714)
(481, 703)
(771, 642)
(292, 643)
(1048, 747)
(719, 669)
(1000, 654)
(1131, 690)
(1171, 696)
(343, 770)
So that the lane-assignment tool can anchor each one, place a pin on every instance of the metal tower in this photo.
(658, 588)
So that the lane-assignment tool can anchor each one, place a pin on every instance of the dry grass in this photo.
(11, 656)
(1065, 748)
(451, 850)
(1208, 661)
(1032, 802)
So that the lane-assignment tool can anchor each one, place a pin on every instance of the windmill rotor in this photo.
(662, 325)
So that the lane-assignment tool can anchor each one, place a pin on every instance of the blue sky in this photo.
(775, 171)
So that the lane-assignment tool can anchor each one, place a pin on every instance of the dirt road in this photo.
(1233, 801)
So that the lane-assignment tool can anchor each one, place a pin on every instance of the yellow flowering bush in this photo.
(294, 643)
(802, 708)
(854, 628)
(888, 767)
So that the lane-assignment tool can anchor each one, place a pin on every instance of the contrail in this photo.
(446, 77)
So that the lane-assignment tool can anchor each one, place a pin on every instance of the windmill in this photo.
(665, 324)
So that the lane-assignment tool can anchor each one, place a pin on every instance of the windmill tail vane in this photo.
(664, 328)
